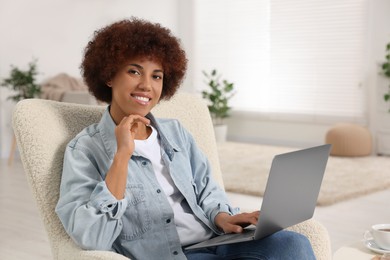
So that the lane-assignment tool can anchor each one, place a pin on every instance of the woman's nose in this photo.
(145, 84)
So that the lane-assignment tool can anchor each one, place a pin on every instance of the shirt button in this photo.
(158, 190)
(168, 221)
(175, 252)
(144, 163)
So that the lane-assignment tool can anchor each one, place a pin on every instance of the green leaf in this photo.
(23, 82)
(218, 94)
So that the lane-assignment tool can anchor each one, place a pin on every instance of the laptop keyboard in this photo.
(245, 234)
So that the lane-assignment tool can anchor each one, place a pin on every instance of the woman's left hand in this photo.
(235, 223)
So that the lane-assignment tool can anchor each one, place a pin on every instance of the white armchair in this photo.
(44, 127)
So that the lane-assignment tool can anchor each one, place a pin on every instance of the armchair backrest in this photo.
(193, 113)
(44, 127)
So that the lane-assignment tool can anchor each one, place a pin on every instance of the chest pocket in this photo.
(136, 220)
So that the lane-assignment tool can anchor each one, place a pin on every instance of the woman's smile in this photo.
(143, 100)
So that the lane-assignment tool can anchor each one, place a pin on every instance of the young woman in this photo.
(138, 185)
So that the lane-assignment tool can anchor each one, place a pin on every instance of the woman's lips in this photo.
(141, 99)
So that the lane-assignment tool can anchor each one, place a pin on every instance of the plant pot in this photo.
(220, 133)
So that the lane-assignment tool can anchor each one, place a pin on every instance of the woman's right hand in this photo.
(126, 131)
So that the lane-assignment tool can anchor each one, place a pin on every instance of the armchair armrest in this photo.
(318, 237)
(69, 250)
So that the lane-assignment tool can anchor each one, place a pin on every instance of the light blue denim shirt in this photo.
(141, 225)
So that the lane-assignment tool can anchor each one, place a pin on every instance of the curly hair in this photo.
(115, 44)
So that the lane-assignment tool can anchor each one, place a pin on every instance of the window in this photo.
(297, 57)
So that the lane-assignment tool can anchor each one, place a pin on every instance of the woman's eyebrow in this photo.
(141, 68)
(136, 65)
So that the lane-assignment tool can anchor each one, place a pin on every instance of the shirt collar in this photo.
(169, 146)
(107, 130)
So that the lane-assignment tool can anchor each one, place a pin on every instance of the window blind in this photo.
(299, 57)
(232, 37)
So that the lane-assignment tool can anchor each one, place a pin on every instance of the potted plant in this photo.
(23, 82)
(218, 96)
(386, 71)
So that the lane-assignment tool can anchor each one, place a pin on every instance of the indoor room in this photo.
(263, 79)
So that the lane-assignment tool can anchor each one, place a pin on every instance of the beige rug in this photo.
(245, 169)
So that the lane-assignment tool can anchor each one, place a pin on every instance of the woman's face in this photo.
(136, 88)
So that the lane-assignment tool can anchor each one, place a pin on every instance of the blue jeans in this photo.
(281, 245)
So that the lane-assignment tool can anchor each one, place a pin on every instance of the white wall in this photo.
(55, 32)
(257, 128)
(379, 36)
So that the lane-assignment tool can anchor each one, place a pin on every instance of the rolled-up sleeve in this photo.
(89, 212)
(103, 200)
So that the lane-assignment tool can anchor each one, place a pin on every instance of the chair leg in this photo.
(12, 151)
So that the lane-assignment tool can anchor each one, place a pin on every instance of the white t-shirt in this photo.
(190, 228)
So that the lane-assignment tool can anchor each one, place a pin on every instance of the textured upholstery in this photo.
(349, 140)
(43, 128)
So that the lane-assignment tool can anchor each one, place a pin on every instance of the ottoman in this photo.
(349, 140)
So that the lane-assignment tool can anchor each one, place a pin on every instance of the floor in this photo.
(23, 235)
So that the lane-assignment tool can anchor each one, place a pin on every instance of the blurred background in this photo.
(298, 66)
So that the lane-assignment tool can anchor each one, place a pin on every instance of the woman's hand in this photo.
(126, 132)
(235, 224)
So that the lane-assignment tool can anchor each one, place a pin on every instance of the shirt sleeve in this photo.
(211, 197)
(90, 214)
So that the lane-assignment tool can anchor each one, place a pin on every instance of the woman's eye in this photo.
(135, 72)
(157, 77)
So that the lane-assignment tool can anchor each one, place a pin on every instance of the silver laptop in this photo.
(290, 196)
